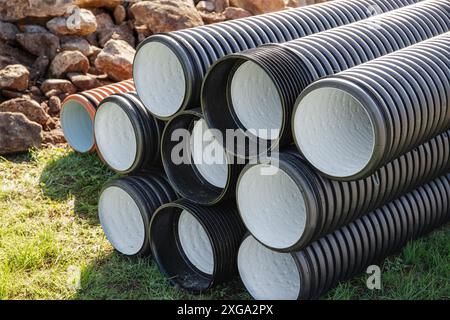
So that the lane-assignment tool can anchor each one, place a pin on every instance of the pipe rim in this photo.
(69, 130)
(304, 181)
(175, 276)
(252, 279)
(377, 118)
(119, 102)
(228, 119)
(128, 190)
(185, 62)
(210, 194)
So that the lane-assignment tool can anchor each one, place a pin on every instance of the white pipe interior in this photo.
(271, 205)
(115, 136)
(121, 220)
(195, 243)
(77, 126)
(256, 101)
(208, 155)
(334, 132)
(159, 79)
(267, 274)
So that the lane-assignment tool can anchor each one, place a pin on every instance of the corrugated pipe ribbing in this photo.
(311, 272)
(169, 68)
(127, 135)
(78, 111)
(256, 90)
(366, 116)
(196, 247)
(286, 204)
(126, 207)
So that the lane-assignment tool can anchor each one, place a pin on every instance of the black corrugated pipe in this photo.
(286, 204)
(196, 164)
(127, 135)
(256, 90)
(169, 68)
(366, 116)
(196, 247)
(126, 207)
(311, 272)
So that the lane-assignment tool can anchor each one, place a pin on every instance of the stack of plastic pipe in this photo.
(385, 107)
(192, 212)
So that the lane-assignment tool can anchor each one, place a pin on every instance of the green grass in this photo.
(52, 246)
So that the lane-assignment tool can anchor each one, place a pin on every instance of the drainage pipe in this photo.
(127, 135)
(125, 209)
(347, 252)
(196, 247)
(369, 115)
(289, 205)
(168, 68)
(257, 89)
(78, 111)
(198, 167)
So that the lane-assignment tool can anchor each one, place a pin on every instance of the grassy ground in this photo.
(50, 237)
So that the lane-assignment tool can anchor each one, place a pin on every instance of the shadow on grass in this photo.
(76, 176)
(20, 158)
(119, 277)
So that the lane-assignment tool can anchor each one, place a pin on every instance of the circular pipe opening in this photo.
(271, 205)
(256, 101)
(334, 131)
(183, 248)
(221, 82)
(159, 78)
(195, 162)
(76, 123)
(121, 220)
(208, 155)
(266, 274)
(115, 136)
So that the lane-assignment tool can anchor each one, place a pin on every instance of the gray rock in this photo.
(14, 77)
(81, 22)
(17, 133)
(68, 61)
(84, 81)
(73, 43)
(116, 60)
(40, 43)
(30, 108)
(62, 85)
(8, 31)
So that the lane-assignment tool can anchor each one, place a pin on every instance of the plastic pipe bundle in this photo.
(196, 247)
(313, 271)
(206, 174)
(127, 135)
(195, 240)
(169, 68)
(78, 111)
(257, 89)
(126, 207)
(366, 116)
(292, 205)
